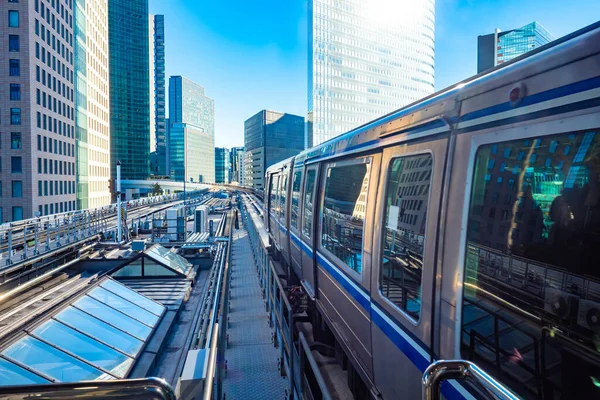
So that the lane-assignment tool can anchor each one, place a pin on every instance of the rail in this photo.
(443, 370)
(296, 359)
(139, 389)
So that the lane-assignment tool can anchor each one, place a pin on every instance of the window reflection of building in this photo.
(409, 180)
(342, 224)
(532, 285)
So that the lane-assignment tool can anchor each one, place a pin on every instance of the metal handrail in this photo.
(139, 389)
(442, 370)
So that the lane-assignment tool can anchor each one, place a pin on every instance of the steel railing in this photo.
(139, 389)
(443, 370)
(296, 359)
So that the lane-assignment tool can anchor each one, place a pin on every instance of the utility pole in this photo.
(119, 215)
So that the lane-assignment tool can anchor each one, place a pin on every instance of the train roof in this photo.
(429, 112)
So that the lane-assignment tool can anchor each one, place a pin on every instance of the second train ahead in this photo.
(466, 226)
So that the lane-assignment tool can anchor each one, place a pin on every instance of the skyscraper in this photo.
(222, 165)
(37, 124)
(499, 47)
(236, 164)
(366, 58)
(191, 131)
(269, 137)
(158, 128)
(92, 104)
(129, 88)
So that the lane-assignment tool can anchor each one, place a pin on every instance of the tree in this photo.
(156, 189)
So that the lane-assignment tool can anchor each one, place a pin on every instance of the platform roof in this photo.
(96, 336)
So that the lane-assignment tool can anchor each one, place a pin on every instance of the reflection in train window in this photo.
(273, 195)
(282, 196)
(295, 198)
(309, 188)
(409, 180)
(531, 303)
(344, 208)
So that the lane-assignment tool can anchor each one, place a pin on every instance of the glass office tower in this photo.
(92, 121)
(499, 47)
(269, 137)
(191, 132)
(158, 128)
(129, 88)
(222, 165)
(366, 59)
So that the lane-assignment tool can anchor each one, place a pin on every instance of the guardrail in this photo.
(139, 389)
(443, 370)
(296, 359)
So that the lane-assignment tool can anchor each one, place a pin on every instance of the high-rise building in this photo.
(499, 47)
(269, 137)
(236, 163)
(158, 128)
(92, 104)
(222, 165)
(129, 88)
(37, 121)
(191, 131)
(366, 58)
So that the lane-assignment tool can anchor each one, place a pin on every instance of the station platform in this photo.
(252, 360)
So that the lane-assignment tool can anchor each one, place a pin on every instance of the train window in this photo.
(404, 235)
(282, 196)
(309, 188)
(531, 293)
(273, 194)
(344, 208)
(295, 198)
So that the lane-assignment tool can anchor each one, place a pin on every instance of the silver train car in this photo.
(464, 226)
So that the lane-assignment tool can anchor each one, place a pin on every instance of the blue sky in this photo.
(251, 55)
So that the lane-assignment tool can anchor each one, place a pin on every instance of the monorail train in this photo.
(463, 226)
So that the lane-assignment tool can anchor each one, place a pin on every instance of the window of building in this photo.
(17, 188)
(294, 211)
(529, 288)
(16, 166)
(15, 140)
(344, 207)
(15, 91)
(15, 116)
(13, 42)
(405, 218)
(307, 214)
(40, 191)
(14, 68)
(13, 18)
(17, 213)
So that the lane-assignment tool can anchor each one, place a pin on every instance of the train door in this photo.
(283, 227)
(295, 247)
(273, 205)
(307, 240)
(406, 228)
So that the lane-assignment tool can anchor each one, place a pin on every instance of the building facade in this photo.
(236, 163)
(366, 58)
(158, 127)
(269, 137)
(222, 165)
(191, 113)
(499, 47)
(129, 88)
(92, 104)
(192, 154)
(37, 109)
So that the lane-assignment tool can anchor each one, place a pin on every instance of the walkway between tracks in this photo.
(252, 371)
